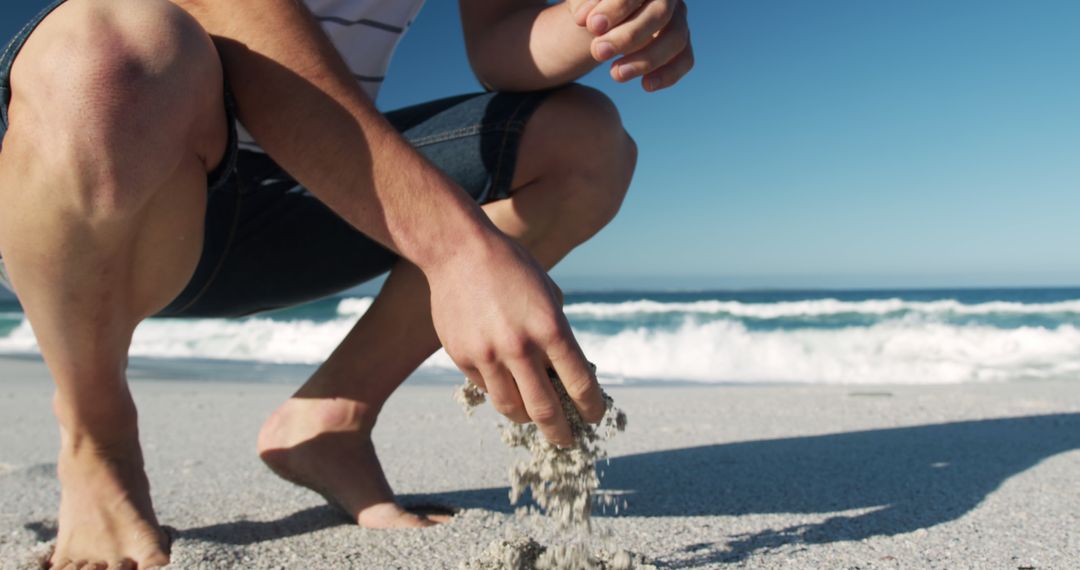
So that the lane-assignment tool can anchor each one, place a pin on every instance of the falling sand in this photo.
(563, 482)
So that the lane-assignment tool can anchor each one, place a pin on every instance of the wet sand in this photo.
(969, 476)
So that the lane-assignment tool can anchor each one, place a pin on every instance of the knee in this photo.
(115, 62)
(112, 88)
(593, 151)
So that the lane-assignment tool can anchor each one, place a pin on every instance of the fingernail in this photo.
(652, 83)
(627, 71)
(605, 50)
(598, 24)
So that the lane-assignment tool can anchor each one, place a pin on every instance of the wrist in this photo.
(459, 239)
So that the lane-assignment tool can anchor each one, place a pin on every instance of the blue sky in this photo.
(831, 143)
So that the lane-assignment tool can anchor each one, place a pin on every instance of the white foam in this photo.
(816, 307)
(903, 351)
(913, 348)
(354, 306)
(261, 340)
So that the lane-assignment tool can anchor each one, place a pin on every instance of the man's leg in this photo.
(116, 114)
(574, 167)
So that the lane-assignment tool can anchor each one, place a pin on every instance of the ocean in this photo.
(849, 337)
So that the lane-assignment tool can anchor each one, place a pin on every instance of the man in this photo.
(125, 196)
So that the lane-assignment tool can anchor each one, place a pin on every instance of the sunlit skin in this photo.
(105, 229)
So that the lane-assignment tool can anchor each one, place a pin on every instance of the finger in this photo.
(541, 401)
(504, 395)
(608, 14)
(579, 380)
(474, 376)
(559, 295)
(671, 73)
(637, 32)
(579, 10)
(469, 369)
(671, 42)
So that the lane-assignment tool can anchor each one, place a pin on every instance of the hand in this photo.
(653, 37)
(500, 319)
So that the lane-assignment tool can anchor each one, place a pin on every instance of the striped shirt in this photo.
(366, 33)
(4, 279)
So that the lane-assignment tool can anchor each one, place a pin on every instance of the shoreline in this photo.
(968, 475)
(216, 371)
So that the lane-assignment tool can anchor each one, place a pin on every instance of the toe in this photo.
(409, 520)
(437, 514)
(439, 518)
(156, 560)
(391, 515)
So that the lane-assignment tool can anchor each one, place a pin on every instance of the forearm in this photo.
(525, 48)
(298, 99)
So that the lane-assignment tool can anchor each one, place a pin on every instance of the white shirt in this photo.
(366, 33)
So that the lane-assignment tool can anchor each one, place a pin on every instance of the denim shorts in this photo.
(269, 243)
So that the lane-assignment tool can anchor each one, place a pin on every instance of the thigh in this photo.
(271, 244)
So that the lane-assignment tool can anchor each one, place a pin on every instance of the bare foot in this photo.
(106, 517)
(325, 445)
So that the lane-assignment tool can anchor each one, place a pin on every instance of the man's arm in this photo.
(526, 45)
(298, 99)
(493, 306)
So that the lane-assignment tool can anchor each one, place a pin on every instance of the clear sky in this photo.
(830, 143)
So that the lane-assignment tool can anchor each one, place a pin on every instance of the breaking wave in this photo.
(818, 307)
(908, 342)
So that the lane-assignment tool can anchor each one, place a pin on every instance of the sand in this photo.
(971, 476)
(563, 483)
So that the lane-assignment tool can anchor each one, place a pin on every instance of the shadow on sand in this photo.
(899, 480)
(252, 532)
(902, 479)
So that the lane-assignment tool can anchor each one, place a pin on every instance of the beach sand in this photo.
(964, 476)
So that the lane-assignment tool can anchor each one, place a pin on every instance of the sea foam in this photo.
(908, 342)
(817, 307)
